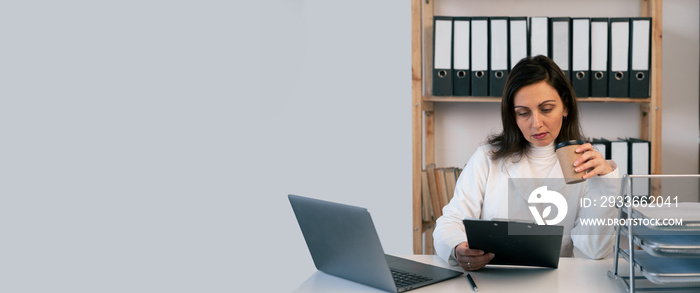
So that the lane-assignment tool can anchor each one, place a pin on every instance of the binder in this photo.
(460, 59)
(640, 57)
(560, 43)
(603, 146)
(518, 40)
(442, 56)
(427, 206)
(619, 153)
(451, 182)
(539, 36)
(441, 186)
(434, 196)
(619, 57)
(479, 56)
(498, 49)
(599, 57)
(580, 56)
(639, 156)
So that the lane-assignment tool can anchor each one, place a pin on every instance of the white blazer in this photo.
(482, 192)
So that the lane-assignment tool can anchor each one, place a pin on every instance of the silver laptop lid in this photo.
(342, 241)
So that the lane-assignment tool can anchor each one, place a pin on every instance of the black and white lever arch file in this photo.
(498, 49)
(539, 36)
(619, 152)
(619, 57)
(603, 146)
(480, 56)
(599, 57)
(560, 42)
(639, 156)
(640, 58)
(518, 40)
(580, 56)
(461, 75)
(442, 56)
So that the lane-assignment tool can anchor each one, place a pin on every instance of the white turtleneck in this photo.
(542, 160)
(482, 192)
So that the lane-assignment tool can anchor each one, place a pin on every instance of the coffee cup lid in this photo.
(566, 143)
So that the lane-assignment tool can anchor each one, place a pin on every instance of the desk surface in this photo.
(573, 275)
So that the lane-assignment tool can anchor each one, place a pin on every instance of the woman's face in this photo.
(539, 112)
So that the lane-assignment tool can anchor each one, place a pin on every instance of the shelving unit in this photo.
(423, 131)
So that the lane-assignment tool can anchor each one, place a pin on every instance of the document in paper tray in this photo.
(689, 212)
(662, 270)
(666, 243)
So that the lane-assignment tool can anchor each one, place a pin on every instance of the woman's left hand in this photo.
(591, 161)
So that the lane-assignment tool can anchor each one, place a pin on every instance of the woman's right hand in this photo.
(471, 259)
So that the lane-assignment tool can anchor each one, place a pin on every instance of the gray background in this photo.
(148, 146)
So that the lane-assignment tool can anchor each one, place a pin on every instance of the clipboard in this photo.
(516, 243)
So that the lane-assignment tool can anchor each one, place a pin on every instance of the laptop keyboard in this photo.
(403, 279)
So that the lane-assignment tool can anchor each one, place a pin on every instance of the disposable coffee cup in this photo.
(566, 153)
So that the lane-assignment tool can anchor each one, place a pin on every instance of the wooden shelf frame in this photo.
(498, 100)
(422, 104)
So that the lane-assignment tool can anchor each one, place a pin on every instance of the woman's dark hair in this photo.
(528, 71)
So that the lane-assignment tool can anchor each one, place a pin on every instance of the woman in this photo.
(538, 110)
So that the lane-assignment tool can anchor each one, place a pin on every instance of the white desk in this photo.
(573, 275)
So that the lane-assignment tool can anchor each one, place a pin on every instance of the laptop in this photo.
(343, 242)
(516, 243)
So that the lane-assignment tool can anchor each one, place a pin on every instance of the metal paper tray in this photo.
(663, 243)
(666, 271)
(688, 211)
